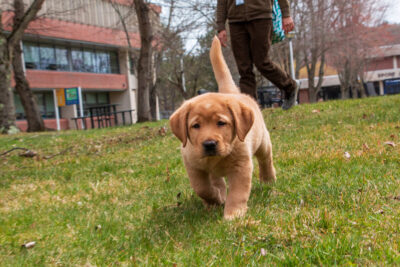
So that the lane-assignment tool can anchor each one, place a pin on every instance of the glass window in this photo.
(40, 101)
(47, 57)
(103, 62)
(31, 56)
(88, 60)
(49, 105)
(19, 109)
(102, 98)
(114, 62)
(90, 98)
(62, 56)
(45, 103)
(77, 59)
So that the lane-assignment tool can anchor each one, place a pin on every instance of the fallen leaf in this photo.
(29, 245)
(365, 146)
(263, 252)
(162, 131)
(390, 143)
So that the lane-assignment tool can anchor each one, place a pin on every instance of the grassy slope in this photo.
(324, 208)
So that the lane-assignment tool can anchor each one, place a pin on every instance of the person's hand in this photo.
(223, 38)
(287, 24)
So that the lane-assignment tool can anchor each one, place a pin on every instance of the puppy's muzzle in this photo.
(210, 147)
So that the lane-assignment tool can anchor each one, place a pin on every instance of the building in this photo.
(382, 76)
(80, 43)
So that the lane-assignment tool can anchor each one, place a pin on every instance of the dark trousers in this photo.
(251, 41)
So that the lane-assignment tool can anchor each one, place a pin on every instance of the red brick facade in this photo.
(74, 31)
(380, 64)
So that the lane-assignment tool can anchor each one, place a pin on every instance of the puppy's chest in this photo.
(216, 167)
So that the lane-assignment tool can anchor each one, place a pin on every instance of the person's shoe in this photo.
(289, 99)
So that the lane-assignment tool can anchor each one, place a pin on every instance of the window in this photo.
(88, 61)
(103, 62)
(77, 59)
(90, 99)
(62, 56)
(31, 56)
(114, 62)
(94, 99)
(47, 57)
(45, 103)
(19, 109)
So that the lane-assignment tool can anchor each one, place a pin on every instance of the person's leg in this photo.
(260, 31)
(240, 40)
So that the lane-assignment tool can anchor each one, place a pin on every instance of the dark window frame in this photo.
(112, 54)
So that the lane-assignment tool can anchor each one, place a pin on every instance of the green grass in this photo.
(323, 210)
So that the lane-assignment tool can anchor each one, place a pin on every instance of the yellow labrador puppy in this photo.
(220, 132)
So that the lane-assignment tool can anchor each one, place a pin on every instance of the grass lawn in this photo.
(121, 196)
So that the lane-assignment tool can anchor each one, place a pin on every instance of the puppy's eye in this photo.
(196, 126)
(221, 123)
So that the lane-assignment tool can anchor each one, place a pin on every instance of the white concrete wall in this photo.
(126, 99)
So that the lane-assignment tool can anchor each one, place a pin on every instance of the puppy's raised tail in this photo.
(221, 70)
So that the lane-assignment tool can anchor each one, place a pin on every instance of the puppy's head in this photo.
(211, 123)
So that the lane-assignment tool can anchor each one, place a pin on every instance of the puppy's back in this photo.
(221, 71)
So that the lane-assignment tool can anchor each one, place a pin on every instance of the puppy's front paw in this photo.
(230, 214)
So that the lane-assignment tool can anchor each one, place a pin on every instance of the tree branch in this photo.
(29, 15)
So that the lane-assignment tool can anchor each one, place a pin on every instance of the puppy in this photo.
(220, 132)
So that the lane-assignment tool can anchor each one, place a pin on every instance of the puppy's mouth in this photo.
(210, 153)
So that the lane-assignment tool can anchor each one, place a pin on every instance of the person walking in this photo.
(250, 25)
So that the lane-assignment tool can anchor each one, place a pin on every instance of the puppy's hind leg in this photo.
(202, 185)
(265, 162)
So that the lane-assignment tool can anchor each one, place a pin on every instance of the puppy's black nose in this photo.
(209, 146)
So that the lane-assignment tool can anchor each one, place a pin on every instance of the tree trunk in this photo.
(7, 43)
(144, 64)
(28, 100)
(7, 110)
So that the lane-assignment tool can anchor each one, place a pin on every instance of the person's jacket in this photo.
(250, 10)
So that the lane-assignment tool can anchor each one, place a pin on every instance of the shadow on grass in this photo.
(191, 217)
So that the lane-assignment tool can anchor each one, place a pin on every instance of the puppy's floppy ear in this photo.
(243, 118)
(178, 122)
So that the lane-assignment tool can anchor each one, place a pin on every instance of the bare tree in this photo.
(28, 100)
(356, 36)
(144, 67)
(7, 44)
(313, 26)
